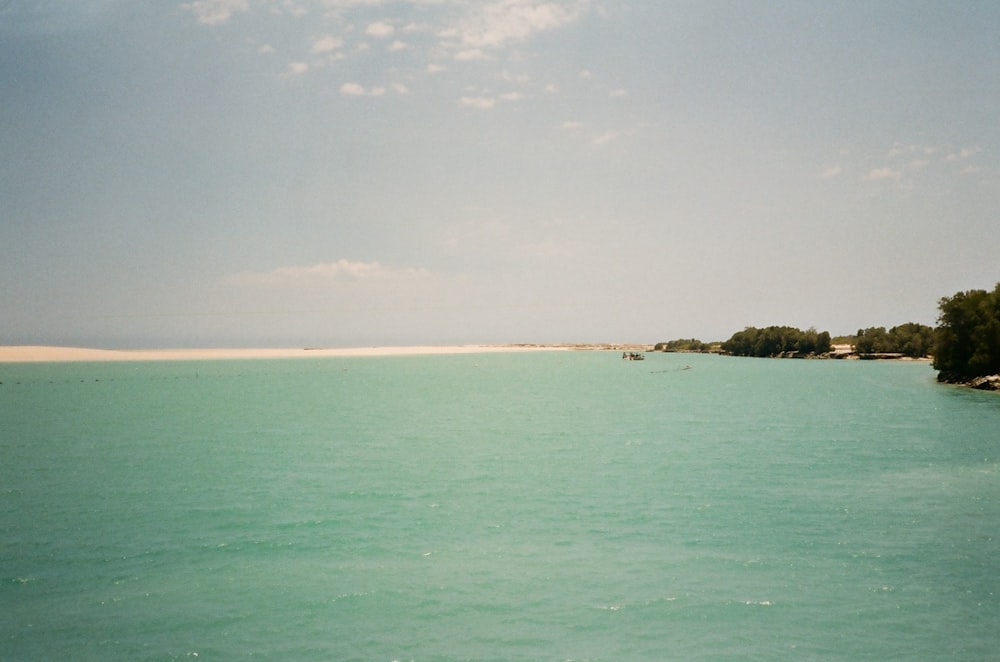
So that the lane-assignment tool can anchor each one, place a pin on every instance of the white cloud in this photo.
(618, 93)
(832, 171)
(882, 174)
(571, 125)
(297, 68)
(266, 49)
(215, 12)
(479, 103)
(380, 29)
(497, 23)
(514, 78)
(358, 90)
(971, 170)
(584, 73)
(395, 46)
(511, 96)
(342, 5)
(327, 44)
(433, 68)
(899, 149)
(326, 272)
(352, 90)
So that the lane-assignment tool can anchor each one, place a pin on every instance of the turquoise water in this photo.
(558, 505)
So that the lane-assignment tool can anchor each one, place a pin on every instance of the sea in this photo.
(554, 505)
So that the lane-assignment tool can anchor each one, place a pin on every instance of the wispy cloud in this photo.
(353, 89)
(963, 154)
(883, 174)
(906, 165)
(495, 24)
(327, 44)
(215, 12)
(326, 272)
(447, 30)
(380, 29)
(479, 103)
(605, 138)
(899, 149)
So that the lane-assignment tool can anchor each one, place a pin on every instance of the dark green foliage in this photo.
(682, 345)
(872, 340)
(776, 341)
(823, 342)
(910, 339)
(967, 339)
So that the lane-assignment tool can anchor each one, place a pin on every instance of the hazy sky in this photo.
(360, 172)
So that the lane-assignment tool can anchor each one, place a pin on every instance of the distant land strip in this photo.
(43, 354)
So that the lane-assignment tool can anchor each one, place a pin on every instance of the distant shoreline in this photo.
(57, 354)
(49, 354)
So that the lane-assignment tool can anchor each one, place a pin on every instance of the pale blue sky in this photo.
(361, 172)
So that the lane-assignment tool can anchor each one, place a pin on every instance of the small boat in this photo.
(633, 356)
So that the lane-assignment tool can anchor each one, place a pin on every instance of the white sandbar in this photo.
(41, 354)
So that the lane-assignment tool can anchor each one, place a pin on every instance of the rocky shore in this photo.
(983, 383)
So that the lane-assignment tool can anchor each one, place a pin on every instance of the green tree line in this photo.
(776, 341)
(967, 338)
(910, 339)
(965, 344)
(682, 345)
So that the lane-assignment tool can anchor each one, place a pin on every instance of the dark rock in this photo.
(984, 383)
(987, 383)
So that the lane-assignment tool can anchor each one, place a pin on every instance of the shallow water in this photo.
(564, 505)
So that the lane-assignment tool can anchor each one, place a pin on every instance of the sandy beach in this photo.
(42, 354)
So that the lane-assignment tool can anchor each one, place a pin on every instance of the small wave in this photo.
(681, 369)
(347, 596)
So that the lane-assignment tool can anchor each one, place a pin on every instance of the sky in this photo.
(371, 172)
